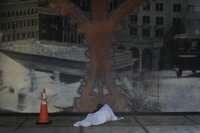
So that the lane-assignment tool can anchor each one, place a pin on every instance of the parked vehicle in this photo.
(187, 53)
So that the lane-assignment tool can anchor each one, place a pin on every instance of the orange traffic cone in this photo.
(43, 118)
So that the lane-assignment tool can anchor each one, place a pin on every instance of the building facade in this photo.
(18, 20)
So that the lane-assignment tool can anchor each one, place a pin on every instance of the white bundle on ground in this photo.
(105, 114)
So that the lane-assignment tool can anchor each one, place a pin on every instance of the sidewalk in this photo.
(131, 124)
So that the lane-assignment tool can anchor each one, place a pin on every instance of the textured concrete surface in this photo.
(131, 124)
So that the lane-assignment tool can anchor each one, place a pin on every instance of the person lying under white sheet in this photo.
(103, 115)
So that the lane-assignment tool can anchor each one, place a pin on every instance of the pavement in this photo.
(131, 124)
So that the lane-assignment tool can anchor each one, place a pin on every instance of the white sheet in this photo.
(105, 114)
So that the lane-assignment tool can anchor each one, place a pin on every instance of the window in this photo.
(159, 33)
(8, 25)
(32, 34)
(146, 19)
(32, 11)
(28, 34)
(146, 32)
(28, 22)
(32, 22)
(79, 39)
(16, 24)
(110, 6)
(133, 31)
(72, 40)
(190, 22)
(65, 23)
(8, 37)
(18, 36)
(3, 38)
(133, 18)
(121, 1)
(36, 22)
(159, 6)
(24, 23)
(17, 13)
(4, 26)
(65, 37)
(23, 35)
(20, 24)
(159, 21)
(176, 22)
(177, 8)
(9, 14)
(193, 8)
(147, 7)
(21, 13)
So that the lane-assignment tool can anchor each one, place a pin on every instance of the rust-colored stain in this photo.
(99, 34)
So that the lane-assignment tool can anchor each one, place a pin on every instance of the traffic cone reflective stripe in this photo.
(43, 118)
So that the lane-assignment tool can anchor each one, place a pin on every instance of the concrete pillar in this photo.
(1, 78)
(21, 101)
(56, 75)
(12, 90)
(155, 63)
(140, 59)
(33, 86)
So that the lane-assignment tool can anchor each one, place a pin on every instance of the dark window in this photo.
(146, 32)
(176, 22)
(65, 23)
(24, 12)
(18, 36)
(159, 6)
(177, 8)
(190, 22)
(8, 37)
(28, 11)
(23, 35)
(20, 24)
(21, 13)
(115, 4)
(8, 25)
(79, 39)
(24, 23)
(159, 21)
(36, 22)
(32, 11)
(193, 8)
(8, 14)
(110, 6)
(72, 40)
(16, 24)
(133, 31)
(32, 22)
(147, 7)
(28, 34)
(133, 18)
(28, 22)
(65, 37)
(32, 34)
(159, 33)
(17, 13)
(3, 38)
(4, 26)
(146, 19)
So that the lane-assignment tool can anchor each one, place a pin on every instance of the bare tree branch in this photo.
(70, 9)
(99, 10)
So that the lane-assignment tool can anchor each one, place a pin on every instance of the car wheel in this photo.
(179, 73)
(193, 70)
